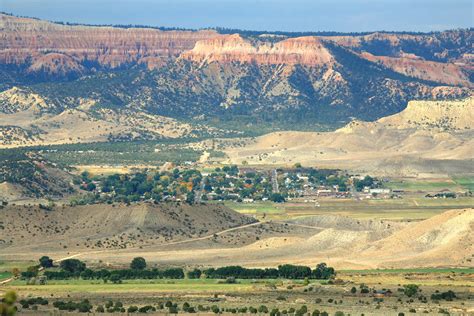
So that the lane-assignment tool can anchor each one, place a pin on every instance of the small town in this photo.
(238, 184)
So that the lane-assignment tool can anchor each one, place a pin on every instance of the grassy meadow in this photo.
(408, 208)
(147, 286)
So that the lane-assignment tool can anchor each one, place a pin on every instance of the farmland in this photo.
(416, 208)
(275, 293)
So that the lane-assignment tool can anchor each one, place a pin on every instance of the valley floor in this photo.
(382, 244)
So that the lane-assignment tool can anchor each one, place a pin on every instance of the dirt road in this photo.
(41, 268)
(167, 244)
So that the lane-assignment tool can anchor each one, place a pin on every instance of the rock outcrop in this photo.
(447, 73)
(63, 48)
(307, 50)
(206, 75)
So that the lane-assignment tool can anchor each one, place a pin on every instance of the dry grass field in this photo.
(108, 170)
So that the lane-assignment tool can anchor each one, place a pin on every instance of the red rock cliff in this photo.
(22, 39)
(228, 48)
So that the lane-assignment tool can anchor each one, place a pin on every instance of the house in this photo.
(211, 196)
(382, 293)
(379, 191)
(324, 192)
(244, 171)
(442, 194)
(301, 177)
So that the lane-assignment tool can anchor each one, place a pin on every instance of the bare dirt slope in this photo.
(10, 191)
(436, 242)
(428, 136)
(447, 238)
(213, 235)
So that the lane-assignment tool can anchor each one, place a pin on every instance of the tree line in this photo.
(287, 271)
(74, 268)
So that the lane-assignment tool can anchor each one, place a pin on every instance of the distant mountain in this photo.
(236, 81)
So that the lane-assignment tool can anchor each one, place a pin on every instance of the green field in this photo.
(158, 285)
(416, 270)
(466, 182)
(177, 155)
(427, 276)
(429, 185)
(116, 153)
(408, 208)
(257, 208)
(5, 275)
(8, 266)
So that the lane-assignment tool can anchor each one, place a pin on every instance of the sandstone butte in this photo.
(306, 50)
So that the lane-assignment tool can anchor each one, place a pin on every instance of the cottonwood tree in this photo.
(138, 263)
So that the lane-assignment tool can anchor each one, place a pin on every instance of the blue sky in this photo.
(284, 15)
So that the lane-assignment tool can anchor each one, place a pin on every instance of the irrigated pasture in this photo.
(405, 209)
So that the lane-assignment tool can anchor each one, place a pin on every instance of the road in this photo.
(303, 226)
(354, 192)
(167, 244)
(41, 268)
(208, 236)
(200, 192)
(275, 187)
(204, 157)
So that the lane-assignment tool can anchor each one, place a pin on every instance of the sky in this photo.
(271, 15)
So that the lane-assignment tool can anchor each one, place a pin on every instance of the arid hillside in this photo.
(428, 136)
(29, 175)
(213, 235)
(29, 119)
(103, 227)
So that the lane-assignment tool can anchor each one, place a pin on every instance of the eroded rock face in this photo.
(413, 66)
(442, 57)
(204, 74)
(307, 50)
(51, 49)
(447, 46)
(63, 48)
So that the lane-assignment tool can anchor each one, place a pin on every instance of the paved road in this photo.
(200, 192)
(275, 187)
(354, 192)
